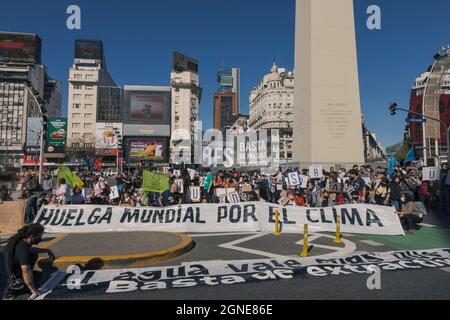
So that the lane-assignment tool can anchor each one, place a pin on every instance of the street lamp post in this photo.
(394, 107)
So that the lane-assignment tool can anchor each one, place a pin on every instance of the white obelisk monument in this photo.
(327, 112)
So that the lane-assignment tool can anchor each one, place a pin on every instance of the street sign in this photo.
(417, 120)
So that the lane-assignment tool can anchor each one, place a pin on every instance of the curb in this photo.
(120, 261)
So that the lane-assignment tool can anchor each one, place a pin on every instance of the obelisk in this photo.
(327, 110)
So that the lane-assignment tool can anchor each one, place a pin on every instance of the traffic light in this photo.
(393, 107)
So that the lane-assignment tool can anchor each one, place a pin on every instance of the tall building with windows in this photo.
(229, 80)
(88, 81)
(186, 97)
(20, 115)
(272, 105)
(225, 109)
(430, 96)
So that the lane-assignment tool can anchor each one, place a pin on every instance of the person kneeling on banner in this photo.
(410, 215)
(21, 257)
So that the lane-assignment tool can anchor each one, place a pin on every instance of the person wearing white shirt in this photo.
(63, 192)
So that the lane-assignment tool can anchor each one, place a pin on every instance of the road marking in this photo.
(348, 248)
(220, 234)
(427, 225)
(446, 269)
(372, 243)
(232, 246)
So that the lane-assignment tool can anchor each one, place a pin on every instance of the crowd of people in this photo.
(362, 184)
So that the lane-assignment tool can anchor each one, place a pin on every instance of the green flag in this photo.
(69, 176)
(155, 182)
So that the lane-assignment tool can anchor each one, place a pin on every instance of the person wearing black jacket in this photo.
(395, 193)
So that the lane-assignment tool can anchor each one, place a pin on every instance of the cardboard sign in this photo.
(315, 172)
(233, 197)
(293, 179)
(180, 185)
(114, 194)
(195, 194)
(335, 187)
(431, 174)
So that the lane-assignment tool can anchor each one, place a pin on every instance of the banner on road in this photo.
(238, 217)
(213, 273)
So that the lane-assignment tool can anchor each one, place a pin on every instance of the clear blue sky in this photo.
(140, 35)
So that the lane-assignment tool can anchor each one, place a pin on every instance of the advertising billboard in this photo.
(146, 149)
(148, 105)
(181, 63)
(20, 47)
(57, 132)
(89, 50)
(34, 128)
(106, 141)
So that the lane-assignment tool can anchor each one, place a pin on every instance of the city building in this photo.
(186, 97)
(225, 108)
(272, 106)
(373, 150)
(430, 96)
(21, 118)
(229, 80)
(146, 125)
(88, 81)
(237, 124)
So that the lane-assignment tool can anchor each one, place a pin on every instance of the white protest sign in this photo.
(221, 192)
(335, 187)
(223, 198)
(166, 170)
(233, 197)
(315, 172)
(114, 194)
(180, 185)
(177, 173)
(195, 194)
(293, 179)
(191, 174)
(431, 174)
(235, 217)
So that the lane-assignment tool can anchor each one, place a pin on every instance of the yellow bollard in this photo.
(338, 230)
(277, 223)
(304, 252)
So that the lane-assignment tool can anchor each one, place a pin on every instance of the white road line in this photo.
(446, 269)
(232, 246)
(372, 243)
(220, 234)
(427, 225)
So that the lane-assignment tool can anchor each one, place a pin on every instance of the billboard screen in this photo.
(147, 107)
(146, 149)
(106, 138)
(181, 63)
(17, 47)
(88, 49)
(57, 132)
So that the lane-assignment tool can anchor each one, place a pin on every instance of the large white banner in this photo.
(247, 216)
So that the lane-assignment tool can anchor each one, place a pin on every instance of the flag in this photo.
(98, 164)
(69, 176)
(411, 156)
(392, 164)
(155, 182)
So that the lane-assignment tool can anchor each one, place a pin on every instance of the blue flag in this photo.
(411, 156)
(392, 164)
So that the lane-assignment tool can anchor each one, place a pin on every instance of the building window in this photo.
(177, 99)
(89, 76)
(88, 96)
(76, 115)
(77, 76)
(88, 125)
(87, 115)
(75, 125)
(76, 106)
(87, 135)
(75, 135)
(76, 96)
(77, 87)
(88, 106)
(89, 88)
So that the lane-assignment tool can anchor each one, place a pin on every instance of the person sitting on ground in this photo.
(410, 215)
(21, 257)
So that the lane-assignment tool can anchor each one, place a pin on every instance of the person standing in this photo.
(63, 192)
(47, 185)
